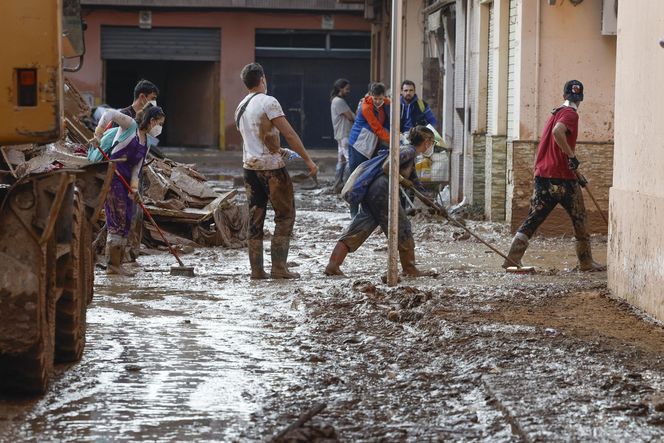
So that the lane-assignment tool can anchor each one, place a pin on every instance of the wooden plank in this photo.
(4, 155)
(65, 181)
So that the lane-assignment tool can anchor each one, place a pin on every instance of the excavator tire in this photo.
(29, 372)
(72, 306)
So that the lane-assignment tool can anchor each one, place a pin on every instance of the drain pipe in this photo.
(537, 69)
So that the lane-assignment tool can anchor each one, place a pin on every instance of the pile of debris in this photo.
(190, 211)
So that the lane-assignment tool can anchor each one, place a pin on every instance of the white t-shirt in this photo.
(261, 147)
(340, 123)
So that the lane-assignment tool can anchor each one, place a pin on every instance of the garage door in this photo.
(186, 44)
(301, 67)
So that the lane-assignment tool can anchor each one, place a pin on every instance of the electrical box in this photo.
(609, 17)
(145, 19)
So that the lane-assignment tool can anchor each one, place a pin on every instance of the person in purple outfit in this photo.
(129, 145)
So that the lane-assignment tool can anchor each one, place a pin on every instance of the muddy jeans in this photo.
(373, 213)
(276, 187)
(548, 193)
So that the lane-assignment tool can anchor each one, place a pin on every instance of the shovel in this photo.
(303, 176)
(515, 268)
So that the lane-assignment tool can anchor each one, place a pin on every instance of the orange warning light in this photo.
(27, 77)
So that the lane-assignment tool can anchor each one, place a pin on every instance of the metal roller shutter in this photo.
(185, 44)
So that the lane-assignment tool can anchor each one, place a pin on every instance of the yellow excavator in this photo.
(46, 218)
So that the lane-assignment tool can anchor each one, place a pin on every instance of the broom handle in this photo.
(145, 210)
(434, 205)
(583, 179)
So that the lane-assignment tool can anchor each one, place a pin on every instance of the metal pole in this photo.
(395, 123)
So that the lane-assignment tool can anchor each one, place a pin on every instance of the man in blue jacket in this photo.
(414, 111)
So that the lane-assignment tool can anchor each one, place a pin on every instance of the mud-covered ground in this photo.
(473, 354)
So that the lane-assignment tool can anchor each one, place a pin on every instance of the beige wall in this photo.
(566, 42)
(636, 238)
(570, 46)
(413, 48)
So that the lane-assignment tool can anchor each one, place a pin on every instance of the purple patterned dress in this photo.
(119, 206)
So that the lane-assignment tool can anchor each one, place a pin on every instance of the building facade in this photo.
(636, 243)
(492, 70)
(194, 51)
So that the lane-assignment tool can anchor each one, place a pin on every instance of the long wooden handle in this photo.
(305, 417)
(140, 202)
(592, 197)
(426, 200)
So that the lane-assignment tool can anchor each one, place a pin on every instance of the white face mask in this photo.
(153, 102)
(155, 131)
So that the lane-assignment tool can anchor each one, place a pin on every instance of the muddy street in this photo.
(473, 354)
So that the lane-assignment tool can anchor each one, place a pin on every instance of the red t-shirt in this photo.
(551, 161)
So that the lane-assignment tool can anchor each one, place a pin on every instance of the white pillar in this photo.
(395, 123)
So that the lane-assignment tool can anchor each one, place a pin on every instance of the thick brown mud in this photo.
(473, 354)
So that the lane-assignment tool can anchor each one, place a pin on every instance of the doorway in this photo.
(188, 93)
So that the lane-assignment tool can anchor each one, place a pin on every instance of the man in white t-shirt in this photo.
(260, 119)
(342, 121)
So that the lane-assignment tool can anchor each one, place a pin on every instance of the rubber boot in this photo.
(585, 256)
(518, 248)
(279, 255)
(336, 259)
(114, 254)
(407, 258)
(256, 259)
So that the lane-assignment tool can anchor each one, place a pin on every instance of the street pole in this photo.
(395, 123)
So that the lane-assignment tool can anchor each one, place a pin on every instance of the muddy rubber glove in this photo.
(573, 163)
(582, 181)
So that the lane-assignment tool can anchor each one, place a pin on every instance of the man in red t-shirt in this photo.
(556, 181)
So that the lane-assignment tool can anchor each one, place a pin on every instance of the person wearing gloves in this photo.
(556, 181)
(130, 146)
(373, 211)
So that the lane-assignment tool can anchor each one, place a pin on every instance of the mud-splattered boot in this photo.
(114, 255)
(279, 255)
(518, 248)
(407, 258)
(255, 248)
(585, 256)
(336, 259)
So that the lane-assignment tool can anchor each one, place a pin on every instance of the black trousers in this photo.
(547, 194)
